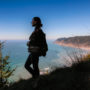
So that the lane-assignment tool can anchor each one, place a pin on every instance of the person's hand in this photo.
(34, 49)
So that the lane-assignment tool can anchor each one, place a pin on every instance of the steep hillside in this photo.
(77, 41)
(76, 77)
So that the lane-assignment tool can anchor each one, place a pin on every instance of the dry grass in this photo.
(76, 77)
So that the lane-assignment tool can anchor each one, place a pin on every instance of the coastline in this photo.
(71, 45)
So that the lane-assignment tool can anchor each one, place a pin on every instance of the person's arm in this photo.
(32, 40)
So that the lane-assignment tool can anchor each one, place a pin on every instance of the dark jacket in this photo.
(38, 38)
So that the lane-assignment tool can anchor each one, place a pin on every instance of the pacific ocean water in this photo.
(17, 50)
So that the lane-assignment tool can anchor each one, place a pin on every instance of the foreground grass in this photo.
(76, 77)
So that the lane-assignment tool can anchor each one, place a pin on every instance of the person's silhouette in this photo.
(37, 46)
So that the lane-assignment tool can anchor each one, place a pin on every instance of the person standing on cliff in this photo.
(37, 46)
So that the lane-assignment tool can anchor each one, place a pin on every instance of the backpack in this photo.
(44, 47)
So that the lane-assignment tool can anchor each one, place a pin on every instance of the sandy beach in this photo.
(71, 45)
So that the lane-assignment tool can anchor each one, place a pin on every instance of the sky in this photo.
(60, 18)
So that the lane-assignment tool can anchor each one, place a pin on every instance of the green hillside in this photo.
(77, 40)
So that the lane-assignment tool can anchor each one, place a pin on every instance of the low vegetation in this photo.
(5, 69)
(75, 77)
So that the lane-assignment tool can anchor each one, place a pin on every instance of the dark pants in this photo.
(33, 59)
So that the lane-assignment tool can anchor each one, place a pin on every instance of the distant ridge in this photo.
(77, 41)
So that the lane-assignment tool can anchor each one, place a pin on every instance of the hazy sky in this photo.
(60, 18)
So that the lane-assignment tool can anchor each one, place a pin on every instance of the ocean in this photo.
(17, 50)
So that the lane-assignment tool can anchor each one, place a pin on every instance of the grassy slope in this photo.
(75, 77)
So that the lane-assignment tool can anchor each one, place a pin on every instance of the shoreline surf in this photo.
(73, 46)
